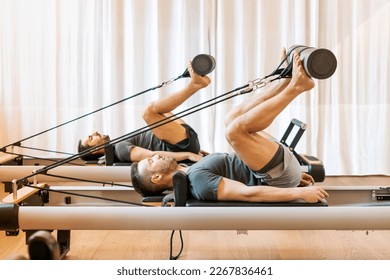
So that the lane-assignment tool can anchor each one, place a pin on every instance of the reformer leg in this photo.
(43, 246)
(63, 239)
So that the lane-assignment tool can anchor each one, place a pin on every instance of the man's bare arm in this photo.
(138, 154)
(233, 190)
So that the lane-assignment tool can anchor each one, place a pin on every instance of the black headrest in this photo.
(180, 188)
(179, 195)
(109, 152)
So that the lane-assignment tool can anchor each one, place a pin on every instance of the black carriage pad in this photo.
(297, 203)
(183, 197)
(153, 198)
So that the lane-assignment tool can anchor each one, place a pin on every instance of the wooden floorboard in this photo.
(225, 245)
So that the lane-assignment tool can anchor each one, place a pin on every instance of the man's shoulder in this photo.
(208, 162)
(212, 156)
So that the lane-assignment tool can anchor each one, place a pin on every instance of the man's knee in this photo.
(148, 112)
(234, 131)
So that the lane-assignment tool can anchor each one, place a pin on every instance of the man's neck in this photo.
(181, 167)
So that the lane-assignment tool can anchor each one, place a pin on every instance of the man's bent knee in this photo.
(234, 132)
(148, 112)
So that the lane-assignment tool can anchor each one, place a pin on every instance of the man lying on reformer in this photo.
(176, 139)
(260, 169)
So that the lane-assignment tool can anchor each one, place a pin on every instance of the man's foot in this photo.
(300, 80)
(283, 82)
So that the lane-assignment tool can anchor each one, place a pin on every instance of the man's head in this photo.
(152, 176)
(93, 140)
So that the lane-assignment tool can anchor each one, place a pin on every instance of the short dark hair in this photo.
(140, 184)
(81, 148)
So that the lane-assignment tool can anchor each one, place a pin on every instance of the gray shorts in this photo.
(286, 174)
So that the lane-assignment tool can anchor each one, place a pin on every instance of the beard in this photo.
(168, 165)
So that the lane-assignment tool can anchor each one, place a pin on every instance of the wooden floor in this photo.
(226, 245)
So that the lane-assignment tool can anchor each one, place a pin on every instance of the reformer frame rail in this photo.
(195, 218)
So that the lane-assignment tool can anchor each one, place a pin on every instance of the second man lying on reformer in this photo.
(175, 139)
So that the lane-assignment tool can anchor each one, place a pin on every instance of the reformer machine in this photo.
(347, 208)
(120, 173)
(362, 210)
(50, 195)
